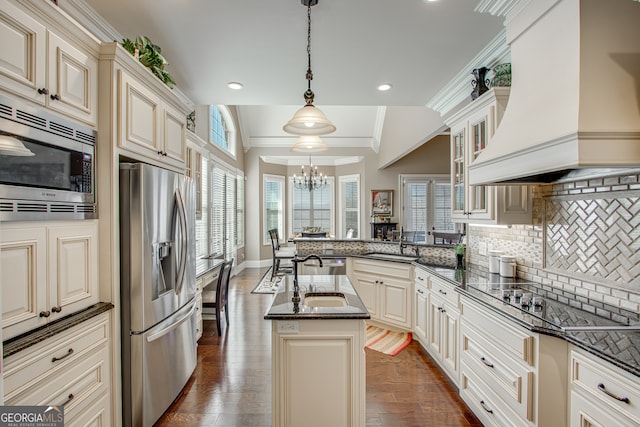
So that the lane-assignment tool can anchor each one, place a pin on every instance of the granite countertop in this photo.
(620, 347)
(282, 307)
(388, 242)
(16, 344)
(204, 265)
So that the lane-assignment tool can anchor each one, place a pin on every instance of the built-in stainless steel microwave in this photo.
(57, 180)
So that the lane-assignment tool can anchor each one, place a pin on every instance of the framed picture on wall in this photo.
(382, 202)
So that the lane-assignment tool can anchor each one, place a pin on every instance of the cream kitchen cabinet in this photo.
(147, 121)
(386, 290)
(442, 326)
(472, 128)
(510, 376)
(421, 299)
(71, 368)
(318, 368)
(601, 394)
(49, 270)
(46, 67)
(193, 166)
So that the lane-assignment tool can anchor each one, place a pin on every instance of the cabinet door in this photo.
(449, 341)
(368, 291)
(434, 325)
(174, 134)
(139, 117)
(421, 309)
(73, 267)
(479, 197)
(22, 53)
(395, 306)
(23, 274)
(458, 172)
(73, 81)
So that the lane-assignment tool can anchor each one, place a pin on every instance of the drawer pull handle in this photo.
(45, 313)
(486, 362)
(484, 406)
(57, 309)
(55, 97)
(57, 359)
(43, 91)
(602, 388)
(69, 399)
(442, 292)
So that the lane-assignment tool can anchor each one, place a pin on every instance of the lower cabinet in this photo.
(72, 369)
(601, 394)
(385, 289)
(318, 373)
(436, 323)
(510, 376)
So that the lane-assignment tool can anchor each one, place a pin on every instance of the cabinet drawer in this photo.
(27, 367)
(487, 406)
(514, 341)
(96, 413)
(210, 277)
(509, 379)
(72, 387)
(603, 382)
(421, 277)
(445, 291)
(393, 269)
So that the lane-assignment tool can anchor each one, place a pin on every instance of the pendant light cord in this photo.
(308, 95)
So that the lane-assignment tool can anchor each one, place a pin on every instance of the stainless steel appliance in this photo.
(57, 181)
(157, 256)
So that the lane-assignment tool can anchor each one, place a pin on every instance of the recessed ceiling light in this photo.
(234, 85)
(384, 87)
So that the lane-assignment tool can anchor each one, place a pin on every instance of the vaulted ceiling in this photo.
(415, 45)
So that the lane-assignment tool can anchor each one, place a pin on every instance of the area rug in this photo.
(386, 341)
(266, 285)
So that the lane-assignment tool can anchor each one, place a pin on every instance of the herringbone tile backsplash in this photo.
(585, 242)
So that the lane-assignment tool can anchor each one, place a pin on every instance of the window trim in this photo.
(274, 178)
(331, 182)
(231, 131)
(432, 179)
(342, 179)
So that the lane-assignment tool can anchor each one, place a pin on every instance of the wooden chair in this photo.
(279, 254)
(221, 300)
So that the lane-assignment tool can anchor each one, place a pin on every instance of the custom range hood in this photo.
(575, 97)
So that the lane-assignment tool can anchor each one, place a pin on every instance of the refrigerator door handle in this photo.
(182, 219)
(176, 324)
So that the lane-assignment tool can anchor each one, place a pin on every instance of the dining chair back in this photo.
(280, 254)
(221, 302)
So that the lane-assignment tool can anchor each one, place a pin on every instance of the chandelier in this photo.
(309, 120)
(309, 181)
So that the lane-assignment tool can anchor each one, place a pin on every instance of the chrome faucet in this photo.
(295, 260)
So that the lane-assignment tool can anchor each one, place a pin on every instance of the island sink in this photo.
(325, 299)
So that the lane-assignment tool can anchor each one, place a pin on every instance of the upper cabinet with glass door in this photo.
(472, 128)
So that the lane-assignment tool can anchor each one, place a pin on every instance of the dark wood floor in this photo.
(231, 385)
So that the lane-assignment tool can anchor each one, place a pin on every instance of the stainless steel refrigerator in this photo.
(157, 262)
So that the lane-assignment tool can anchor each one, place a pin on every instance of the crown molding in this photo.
(459, 88)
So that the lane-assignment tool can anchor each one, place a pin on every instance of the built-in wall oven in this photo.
(57, 180)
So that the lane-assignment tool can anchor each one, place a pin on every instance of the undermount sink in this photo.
(393, 256)
(331, 299)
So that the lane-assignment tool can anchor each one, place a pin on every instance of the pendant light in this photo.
(309, 144)
(12, 146)
(309, 120)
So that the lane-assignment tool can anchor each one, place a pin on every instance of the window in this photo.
(312, 208)
(202, 224)
(349, 207)
(222, 131)
(240, 210)
(273, 190)
(426, 205)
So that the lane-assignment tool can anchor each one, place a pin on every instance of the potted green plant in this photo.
(150, 55)
(459, 247)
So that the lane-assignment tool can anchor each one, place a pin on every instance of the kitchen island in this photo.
(318, 338)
